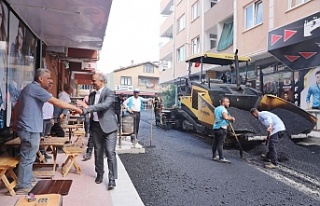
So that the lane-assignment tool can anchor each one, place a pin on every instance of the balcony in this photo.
(166, 76)
(218, 13)
(166, 7)
(166, 29)
(166, 51)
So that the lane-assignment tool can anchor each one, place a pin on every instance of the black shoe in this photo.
(47, 156)
(99, 179)
(86, 157)
(112, 184)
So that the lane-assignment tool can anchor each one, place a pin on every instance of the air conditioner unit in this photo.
(57, 51)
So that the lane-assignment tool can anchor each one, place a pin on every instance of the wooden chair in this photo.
(6, 168)
(79, 133)
(72, 153)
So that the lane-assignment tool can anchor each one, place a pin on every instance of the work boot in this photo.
(264, 158)
(86, 157)
(224, 160)
(215, 158)
(271, 166)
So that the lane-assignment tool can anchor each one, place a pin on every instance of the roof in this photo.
(218, 59)
(134, 65)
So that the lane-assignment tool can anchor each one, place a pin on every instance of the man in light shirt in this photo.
(275, 129)
(134, 105)
(65, 95)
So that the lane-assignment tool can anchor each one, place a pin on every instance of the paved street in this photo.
(179, 171)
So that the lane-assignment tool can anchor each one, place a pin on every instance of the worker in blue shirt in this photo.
(222, 120)
(314, 91)
(275, 129)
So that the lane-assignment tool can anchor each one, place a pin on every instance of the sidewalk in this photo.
(84, 191)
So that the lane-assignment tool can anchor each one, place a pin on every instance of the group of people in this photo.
(274, 126)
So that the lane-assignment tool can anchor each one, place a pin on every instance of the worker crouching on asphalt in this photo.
(222, 118)
(275, 129)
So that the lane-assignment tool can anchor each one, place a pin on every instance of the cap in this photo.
(136, 91)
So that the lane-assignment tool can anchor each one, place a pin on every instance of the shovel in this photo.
(235, 136)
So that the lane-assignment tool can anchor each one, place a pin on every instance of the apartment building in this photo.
(144, 76)
(271, 32)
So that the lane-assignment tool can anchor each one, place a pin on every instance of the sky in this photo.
(132, 34)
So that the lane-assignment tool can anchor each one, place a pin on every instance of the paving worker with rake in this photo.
(222, 119)
(275, 129)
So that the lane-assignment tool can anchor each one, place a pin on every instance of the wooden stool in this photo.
(79, 133)
(72, 153)
(6, 167)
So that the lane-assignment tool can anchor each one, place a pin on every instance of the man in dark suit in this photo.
(103, 128)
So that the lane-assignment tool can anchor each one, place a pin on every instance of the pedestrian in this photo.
(47, 111)
(221, 122)
(119, 99)
(156, 105)
(58, 118)
(65, 94)
(134, 105)
(103, 128)
(275, 129)
(29, 124)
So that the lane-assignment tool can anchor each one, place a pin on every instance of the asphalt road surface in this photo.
(179, 171)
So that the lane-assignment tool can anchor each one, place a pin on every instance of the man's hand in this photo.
(130, 111)
(82, 104)
(269, 129)
(78, 110)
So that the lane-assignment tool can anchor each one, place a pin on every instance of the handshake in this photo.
(79, 107)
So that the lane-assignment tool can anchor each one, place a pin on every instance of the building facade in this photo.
(143, 76)
(251, 26)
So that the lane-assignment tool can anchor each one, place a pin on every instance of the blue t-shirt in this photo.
(314, 91)
(219, 122)
(31, 100)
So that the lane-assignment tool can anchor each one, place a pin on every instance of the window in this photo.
(213, 41)
(181, 23)
(195, 10)
(254, 14)
(149, 83)
(148, 68)
(213, 3)
(195, 45)
(125, 80)
(180, 54)
(294, 3)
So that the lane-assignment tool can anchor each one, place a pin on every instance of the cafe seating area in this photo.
(66, 171)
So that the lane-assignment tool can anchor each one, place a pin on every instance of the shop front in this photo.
(297, 47)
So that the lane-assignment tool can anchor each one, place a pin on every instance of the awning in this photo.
(297, 45)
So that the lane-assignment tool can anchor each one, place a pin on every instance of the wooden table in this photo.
(70, 127)
(53, 200)
(61, 187)
(53, 142)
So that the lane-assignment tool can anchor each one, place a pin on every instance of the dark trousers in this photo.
(86, 123)
(90, 145)
(104, 143)
(137, 121)
(47, 125)
(57, 130)
(272, 147)
(219, 138)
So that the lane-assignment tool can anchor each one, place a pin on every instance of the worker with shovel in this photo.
(275, 129)
(222, 119)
